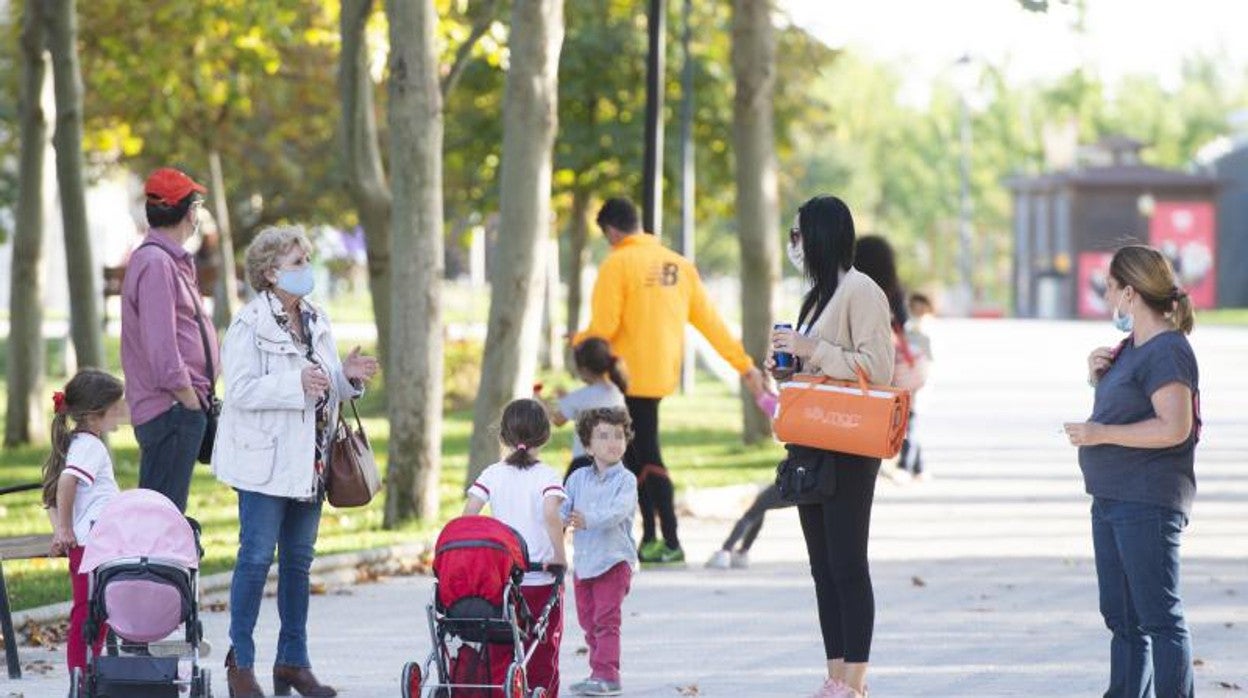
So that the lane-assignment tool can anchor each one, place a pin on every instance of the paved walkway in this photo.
(983, 575)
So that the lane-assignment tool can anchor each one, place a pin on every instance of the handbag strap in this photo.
(899, 337)
(359, 425)
(199, 319)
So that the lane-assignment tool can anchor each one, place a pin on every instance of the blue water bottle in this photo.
(785, 365)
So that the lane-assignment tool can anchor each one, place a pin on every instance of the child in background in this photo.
(910, 459)
(605, 384)
(78, 481)
(599, 508)
(526, 494)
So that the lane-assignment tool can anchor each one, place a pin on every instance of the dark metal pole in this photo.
(652, 174)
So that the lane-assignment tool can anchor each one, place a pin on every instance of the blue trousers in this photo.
(265, 523)
(1137, 571)
(168, 447)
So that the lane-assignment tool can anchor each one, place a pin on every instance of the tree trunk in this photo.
(23, 420)
(414, 375)
(578, 255)
(62, 28)
(366, 177)
(758, 214)
(225, 293)
(552, 346)
(529, 121)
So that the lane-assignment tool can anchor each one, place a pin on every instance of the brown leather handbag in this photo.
(353, 479)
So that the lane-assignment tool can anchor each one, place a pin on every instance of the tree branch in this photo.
(464, 53)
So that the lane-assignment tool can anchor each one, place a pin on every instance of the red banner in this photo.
(1186, 233)
(1093, 273)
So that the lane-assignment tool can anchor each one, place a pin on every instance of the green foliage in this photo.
(252, 80)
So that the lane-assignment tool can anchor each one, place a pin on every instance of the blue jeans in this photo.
(1137, 570)
(289, 525)
(168, 447)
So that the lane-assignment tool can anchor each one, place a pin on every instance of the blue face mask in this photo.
(296, 282)
(1124, 322)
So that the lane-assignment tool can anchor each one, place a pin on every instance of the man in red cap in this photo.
(169, 349)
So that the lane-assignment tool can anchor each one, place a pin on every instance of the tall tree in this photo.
(529, 124)
(366, 176)
(62, 33)
(25, 345)
(758, 206)
(415, 372)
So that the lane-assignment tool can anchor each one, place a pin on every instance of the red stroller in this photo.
(483, 632)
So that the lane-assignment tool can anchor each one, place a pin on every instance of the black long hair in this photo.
(874, 257)
(827, 229)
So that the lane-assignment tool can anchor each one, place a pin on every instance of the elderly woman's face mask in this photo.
(797, 256)
(295, 275)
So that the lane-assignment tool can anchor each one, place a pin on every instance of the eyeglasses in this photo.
(795, 235)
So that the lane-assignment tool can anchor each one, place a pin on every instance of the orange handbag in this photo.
(843, 416)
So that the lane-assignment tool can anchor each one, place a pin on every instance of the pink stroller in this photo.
(143, 558)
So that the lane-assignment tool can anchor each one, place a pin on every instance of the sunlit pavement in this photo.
(983, 575)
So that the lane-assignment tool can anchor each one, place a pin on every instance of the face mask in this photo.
(797, 257)
(296, 282)
(1124, 322)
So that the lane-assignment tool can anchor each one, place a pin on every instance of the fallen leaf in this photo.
(1228, 625)
(317, 588)
(690, 690)
(45, 634)
(216, 607)
(917, 581)
(1229, 686)
(1198, 662)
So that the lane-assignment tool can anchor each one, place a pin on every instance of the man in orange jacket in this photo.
(644, 296)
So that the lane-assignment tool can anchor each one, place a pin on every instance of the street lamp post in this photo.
(652, 172)
(966, 254)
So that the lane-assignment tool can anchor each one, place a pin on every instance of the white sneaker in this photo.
(740, 559)
(721, 560)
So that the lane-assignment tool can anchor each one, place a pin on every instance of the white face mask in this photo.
(797, 256)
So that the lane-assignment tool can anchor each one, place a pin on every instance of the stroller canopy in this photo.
(475, 556)
(140, 523)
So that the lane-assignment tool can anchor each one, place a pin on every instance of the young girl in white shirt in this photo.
(78, 481)
(526, 494)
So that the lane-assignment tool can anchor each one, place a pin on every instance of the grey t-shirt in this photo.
(1162, 476)
(594, 395)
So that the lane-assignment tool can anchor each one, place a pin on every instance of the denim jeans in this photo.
(1137, 571)
(289, 525)
(168, 447)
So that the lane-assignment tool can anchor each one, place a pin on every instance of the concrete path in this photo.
(983, 575)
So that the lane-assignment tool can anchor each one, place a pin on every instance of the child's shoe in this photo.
(740, 560)
(720, 560)
(600, 687)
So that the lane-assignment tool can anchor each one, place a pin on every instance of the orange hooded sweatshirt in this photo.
(644, 296)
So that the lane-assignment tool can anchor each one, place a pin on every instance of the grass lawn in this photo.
(1222, 316)
(701, 439)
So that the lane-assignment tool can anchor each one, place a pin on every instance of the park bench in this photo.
(17, 548)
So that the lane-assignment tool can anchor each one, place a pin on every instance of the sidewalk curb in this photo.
(339, 568)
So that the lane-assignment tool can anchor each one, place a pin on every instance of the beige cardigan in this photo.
(854, 330)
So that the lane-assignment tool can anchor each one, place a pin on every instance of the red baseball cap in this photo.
(168, 186)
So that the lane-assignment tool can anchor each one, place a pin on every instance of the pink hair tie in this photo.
(521, 447)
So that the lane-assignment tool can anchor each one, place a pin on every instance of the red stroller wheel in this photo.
(515, 687)
(410, 685)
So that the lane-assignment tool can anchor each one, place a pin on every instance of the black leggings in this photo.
(836, 533)
(643, 459)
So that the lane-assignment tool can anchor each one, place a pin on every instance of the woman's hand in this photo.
(315, 382)
(1099, 361)
(788, 340)
(1085, 433)
(576, 520)
(359, 367)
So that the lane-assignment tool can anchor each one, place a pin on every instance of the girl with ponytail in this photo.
(78, 481)
(605, 385)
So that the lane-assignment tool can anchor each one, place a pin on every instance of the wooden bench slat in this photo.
(25, 547)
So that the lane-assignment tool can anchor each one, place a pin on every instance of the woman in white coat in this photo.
(283, 385)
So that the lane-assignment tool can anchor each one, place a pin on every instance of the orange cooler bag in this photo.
(843, 416)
